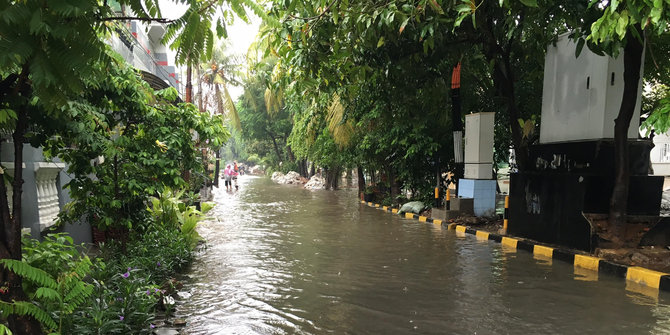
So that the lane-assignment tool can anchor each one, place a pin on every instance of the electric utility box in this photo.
(479, 145)
(570, 173)
(478, 183)
(581, 95)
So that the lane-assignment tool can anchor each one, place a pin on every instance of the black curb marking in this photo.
(495, 237)
(612, 268)
(564, 255)
(470, 230)
(429, 220)
(524, 245)
(664, 284)
(415, 216)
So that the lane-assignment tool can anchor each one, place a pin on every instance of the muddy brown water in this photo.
(284, 260)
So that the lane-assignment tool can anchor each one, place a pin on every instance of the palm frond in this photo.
(341, 130)
(232, 110)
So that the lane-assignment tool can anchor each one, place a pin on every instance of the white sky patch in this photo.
(240, 36)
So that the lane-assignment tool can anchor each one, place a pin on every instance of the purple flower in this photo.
(148, 292)
(152, 326)
(126, 275)
(156, 290)
(121, 317)
(129, 268)
(158, 263)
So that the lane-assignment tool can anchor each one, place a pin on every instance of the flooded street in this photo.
(284, 260)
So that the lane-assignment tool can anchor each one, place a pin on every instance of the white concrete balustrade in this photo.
(46, 174)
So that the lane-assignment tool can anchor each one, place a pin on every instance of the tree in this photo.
(626, 24)
(47, 50)
(266, 132)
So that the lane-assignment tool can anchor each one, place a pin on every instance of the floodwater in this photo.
(284, 260)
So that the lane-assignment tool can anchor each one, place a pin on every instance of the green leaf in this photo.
(614, 4)
(380, 42)
(622, 25)
(529, 3)
(464, 8)
(656, 15)
(402, 26)
(4, 330)
(31, 273)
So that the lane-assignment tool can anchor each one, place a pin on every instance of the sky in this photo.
(240, 34)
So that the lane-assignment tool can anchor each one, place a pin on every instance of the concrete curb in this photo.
(632, 274)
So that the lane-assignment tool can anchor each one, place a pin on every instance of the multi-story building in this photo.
(140, 45)
(43, 194)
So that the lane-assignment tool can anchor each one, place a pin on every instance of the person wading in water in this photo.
(228, 176)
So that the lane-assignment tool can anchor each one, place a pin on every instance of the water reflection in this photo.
(284, 260)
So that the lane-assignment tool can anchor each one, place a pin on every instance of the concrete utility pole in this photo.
(457, 122)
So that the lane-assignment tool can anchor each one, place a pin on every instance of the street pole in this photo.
(457, 123)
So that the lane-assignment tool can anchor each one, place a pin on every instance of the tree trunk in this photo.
(276, 147)
(332, 178)
(632, 60)
(302, 168)
(290, 155)
(217, 167)
(361, 179)
(312, 170)
(189, 86)
(11, 233)
(503, 79)
(395, 188)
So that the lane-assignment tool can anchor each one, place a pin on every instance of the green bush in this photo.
(253, 159)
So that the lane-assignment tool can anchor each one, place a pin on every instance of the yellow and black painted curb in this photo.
(634, 274)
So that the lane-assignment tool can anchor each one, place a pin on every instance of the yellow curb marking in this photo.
(587, 262)
(482, 235)
(543, 251)
(642, 289)
(585, 274)
(452, 226)
(437, 221)
(370, 204)
(385, 208)
(394, 211)
(508, 241)
(422, 218)
(644, 276)
(460, 228)
(377, 205)
(409, 215)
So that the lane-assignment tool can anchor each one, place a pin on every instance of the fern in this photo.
(4, 330)
(47, 293)
(27, 308)
(31, 273)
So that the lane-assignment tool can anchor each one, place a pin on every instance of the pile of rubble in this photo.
(290, 178)
(316, 183)
(256, 170)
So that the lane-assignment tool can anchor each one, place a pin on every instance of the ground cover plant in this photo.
(116, 292)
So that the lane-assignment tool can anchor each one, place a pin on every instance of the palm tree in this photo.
(216, 74)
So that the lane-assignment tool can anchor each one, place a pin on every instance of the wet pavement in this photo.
(284, 260)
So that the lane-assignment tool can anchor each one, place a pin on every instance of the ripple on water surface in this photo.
(284, 260)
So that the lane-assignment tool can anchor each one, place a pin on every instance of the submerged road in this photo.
(284, 260)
